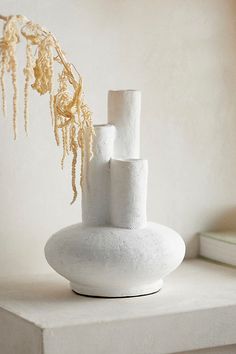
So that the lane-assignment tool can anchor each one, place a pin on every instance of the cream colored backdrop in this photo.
(182, 55)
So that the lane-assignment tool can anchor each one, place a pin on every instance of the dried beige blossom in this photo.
(29, 73)
(71, 117)
(11, 37)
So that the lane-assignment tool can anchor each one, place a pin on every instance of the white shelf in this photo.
(195, 309)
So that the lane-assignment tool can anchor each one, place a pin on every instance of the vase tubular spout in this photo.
(124, 113)
(96, 189)
(128, 193)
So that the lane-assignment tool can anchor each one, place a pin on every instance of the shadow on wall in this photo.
(192, 246)
(224, 221)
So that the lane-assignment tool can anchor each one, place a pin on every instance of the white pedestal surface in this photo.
(196, 309)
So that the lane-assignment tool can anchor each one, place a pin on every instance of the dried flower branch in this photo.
(70, 115)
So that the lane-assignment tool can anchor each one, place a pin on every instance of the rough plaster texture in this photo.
(96, 191)
(129, 193)
(181, 55)
(113, 262)
(124, 108)
(19, 336)
(73, 324)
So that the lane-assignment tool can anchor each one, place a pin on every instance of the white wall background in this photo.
(182, 55)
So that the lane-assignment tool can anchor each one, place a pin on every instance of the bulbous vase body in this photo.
(115, 262)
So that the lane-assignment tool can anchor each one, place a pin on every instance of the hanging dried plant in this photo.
(71, 117)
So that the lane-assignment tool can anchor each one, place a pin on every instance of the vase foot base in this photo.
(85, 291)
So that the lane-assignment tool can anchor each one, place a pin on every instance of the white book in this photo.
(219, 246)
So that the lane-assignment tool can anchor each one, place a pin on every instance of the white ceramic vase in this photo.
(114, 252)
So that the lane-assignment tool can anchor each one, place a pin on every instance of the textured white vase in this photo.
(96, 191)
(124, 109)
(115, 262)
(114, 252)
(128, 193)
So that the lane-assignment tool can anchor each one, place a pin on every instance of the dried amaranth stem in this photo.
(71, 117)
